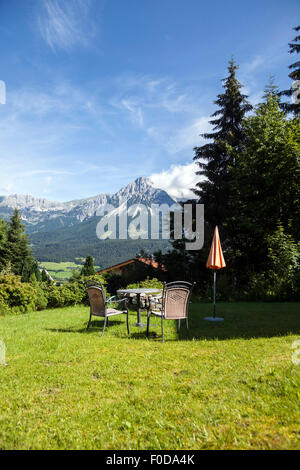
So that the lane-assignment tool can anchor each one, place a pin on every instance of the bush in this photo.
(71, 293)
(64, 295)
(114, 282)
(18, 296)
(42, 301)
(281, 280)
(146, 284)
(4, 308)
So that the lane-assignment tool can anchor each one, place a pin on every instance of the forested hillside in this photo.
(78, 241)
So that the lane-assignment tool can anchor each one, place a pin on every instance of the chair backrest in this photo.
(97, 297)
(176, 296)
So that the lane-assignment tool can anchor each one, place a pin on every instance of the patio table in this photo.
(138, 293)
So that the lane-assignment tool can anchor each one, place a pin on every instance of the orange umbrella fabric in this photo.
(215, 259)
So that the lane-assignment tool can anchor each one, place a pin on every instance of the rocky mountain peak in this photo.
(43, 214)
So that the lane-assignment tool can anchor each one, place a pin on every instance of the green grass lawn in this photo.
(233, 386)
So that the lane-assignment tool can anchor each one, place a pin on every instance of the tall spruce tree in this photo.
(215, 158)
(215, 161)
(294, 90)
(17, 243)
(88, 268)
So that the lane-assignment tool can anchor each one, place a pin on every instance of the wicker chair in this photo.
(99, 305)
(172, 305)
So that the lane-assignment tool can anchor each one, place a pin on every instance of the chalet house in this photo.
(135, 265)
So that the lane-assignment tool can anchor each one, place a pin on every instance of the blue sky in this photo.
(99, 92)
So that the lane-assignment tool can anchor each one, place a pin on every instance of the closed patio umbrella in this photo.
(215, 261)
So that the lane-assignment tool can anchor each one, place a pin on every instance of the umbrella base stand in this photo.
(213, 318)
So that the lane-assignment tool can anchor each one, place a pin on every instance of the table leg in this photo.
(139, 323)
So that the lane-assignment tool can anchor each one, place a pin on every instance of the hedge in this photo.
(20, 297)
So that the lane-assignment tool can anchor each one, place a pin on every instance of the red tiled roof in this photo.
(152, 263)
(147, 261)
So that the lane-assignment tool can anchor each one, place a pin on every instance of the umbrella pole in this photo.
(215, 279)
(214, 318)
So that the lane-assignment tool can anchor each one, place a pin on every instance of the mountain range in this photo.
(65, 231)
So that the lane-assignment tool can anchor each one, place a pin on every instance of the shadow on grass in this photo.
(157, 337)
(155, 332)
(95, 326)
(242, 320)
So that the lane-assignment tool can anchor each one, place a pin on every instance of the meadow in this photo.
(232, 386)
(61, 271)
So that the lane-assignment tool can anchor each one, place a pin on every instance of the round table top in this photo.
(138, 291)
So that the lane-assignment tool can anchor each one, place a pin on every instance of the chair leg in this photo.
(187, 327)
(105, 320)
(162, 328)
(148, 321)
(178, 326)
(128, 322)
(89, 322)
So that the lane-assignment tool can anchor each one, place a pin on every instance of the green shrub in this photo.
(42, 301)
(19, 296)
(281, 280)
(71, 293)
(146, 284)
(4, 308)
(64, 295)
(114, 282)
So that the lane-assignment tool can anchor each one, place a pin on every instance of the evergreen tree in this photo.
(88, 268)
(30, 266)
(36, 270)
(271, 90)
(215, 160)
(45, 276)
(3, 241)
(17, 243)
(227, 134)
(265, 185)
(26, 270)
(294, 75)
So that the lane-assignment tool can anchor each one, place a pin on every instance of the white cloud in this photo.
(147, 98)
(66, 23)
(60, 98)
(49, 136)
(184, 138)
(251, 66)
(175, 103)
(135, 112)
(177, 181)
(189, 136)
